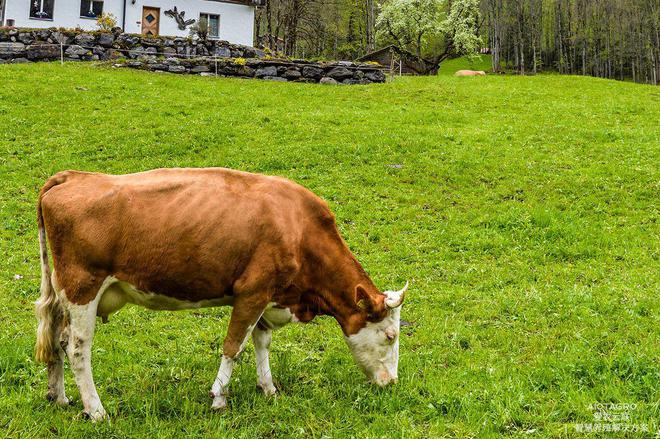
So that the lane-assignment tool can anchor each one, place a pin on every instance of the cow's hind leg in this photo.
(56, 391)
(262, 336)
(52, 324)
(82, 320)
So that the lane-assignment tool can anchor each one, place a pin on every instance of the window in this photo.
(213, 22)
(42, 9)
(91, 8)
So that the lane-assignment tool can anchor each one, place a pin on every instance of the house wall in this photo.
(236, 20)
(66, 13)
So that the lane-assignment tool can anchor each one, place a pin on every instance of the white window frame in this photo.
(208, 16)
(91, 6)
(41, 10)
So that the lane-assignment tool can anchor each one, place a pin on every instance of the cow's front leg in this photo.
(244, 317)
(79, 351)
(219, 390)
(262, 338)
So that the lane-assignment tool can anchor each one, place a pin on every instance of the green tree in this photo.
(609, 38)
(431, 30)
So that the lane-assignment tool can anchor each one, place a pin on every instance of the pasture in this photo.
(523, 210)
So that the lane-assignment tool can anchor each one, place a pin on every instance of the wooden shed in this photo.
(400, 61)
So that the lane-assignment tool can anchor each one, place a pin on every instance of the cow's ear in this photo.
(373, 306)
(363, 300)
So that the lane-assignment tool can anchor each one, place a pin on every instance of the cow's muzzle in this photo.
(382, 379)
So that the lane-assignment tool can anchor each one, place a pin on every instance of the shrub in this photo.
(106, 21)
(201, 29)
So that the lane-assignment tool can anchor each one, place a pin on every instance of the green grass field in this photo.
(449, 67)
(524, 211)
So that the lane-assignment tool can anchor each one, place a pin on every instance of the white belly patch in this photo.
(118, 293)
(275, 318)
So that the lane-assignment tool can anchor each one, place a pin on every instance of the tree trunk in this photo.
(370, 25)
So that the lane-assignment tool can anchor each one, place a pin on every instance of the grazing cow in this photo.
(470, 73)
(174, 239)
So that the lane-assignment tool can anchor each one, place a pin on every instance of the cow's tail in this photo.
(48, 306)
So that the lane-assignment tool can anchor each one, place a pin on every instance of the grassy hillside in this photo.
(524, 211)
(450, 66)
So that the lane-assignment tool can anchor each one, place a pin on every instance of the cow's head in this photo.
(375, 347)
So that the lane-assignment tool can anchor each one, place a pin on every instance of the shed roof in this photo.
(369, 55)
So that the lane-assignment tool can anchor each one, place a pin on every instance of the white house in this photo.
(231, 20)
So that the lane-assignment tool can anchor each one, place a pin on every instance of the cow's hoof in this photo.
(219, 403)
(96, 416)
(269, 390)
(62, 401)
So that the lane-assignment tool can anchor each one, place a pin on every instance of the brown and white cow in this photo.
(174, 239)
(470, 73)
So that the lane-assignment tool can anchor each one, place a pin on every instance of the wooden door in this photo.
(150, 20)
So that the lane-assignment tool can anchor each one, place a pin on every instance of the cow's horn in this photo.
(395, 298)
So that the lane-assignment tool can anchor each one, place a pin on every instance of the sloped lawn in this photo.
(524, 211)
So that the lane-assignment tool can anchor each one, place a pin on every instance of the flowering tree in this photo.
(431, 30)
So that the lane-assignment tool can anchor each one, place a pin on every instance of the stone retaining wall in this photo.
(174, 55)
(340, 72)
(44, 45)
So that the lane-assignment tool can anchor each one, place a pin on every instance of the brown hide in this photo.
(470, 73)
(198, 234)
